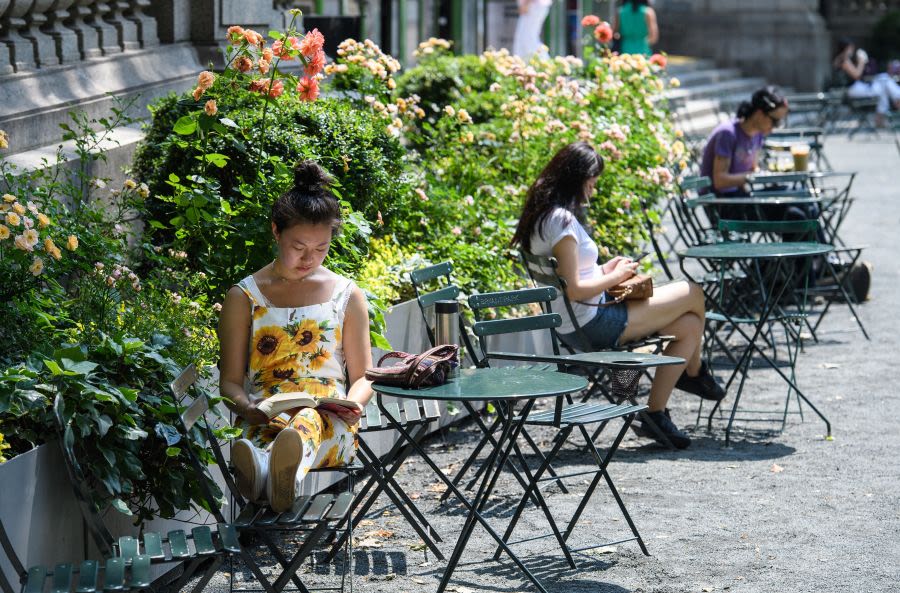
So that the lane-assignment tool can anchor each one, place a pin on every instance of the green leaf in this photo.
(157, 224)
(79, 368)
(172, 451)
(54, 367)
(226, 207)
(120, 506)
(185, 126)
(379, 341)
(133, 434)
(219, 160)
(104, 423)
(276, 34)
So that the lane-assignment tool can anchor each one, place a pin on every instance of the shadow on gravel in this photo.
(745, 446)
(552, 572)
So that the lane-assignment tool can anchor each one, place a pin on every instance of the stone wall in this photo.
(784, 41)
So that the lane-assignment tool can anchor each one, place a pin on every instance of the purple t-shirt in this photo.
(728, 140)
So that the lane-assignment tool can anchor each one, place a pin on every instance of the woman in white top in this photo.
(550, 226)
(527, 38)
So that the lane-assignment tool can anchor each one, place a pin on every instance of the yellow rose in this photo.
(55, 253)
(9, 198)
(130, 184)
(72, 243)
(36, 267)
(4, 232)
(4, 144)
(12, 219)
(31, 236)
(18, 209)
(49, 245)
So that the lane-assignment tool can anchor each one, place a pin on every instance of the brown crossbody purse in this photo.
(639, 286)
(412, 371)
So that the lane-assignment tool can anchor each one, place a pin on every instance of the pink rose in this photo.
(283, 48)
(590, 21)
(198, 92)
(603, 33)
(252, 37)
(268, 55)
(210, 108)
(308, 88)
(312, 43)
(659, 59)
(206, 79)
(263, 66)
(235, 34)
(243, 64)
(315, 64)
(265, 87)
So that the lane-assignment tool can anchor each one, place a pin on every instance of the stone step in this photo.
(678, 65)
(724, 88)
(695, 78)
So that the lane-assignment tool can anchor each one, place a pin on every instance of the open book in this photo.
(281, 402)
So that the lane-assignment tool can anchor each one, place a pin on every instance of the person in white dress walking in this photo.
(527, 40)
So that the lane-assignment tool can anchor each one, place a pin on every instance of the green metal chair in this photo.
(566, 415)
(310, 521)
(202, 548)
(438, 277)
(88, 576)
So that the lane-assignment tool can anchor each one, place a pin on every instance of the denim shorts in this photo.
(604, 330)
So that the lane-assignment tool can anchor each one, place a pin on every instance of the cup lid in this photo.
(446, 307)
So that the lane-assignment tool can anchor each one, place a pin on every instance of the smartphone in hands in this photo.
(641, 256)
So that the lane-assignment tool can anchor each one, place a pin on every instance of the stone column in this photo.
(126, 29)
(88, 38)
(44, 45)
(6, 66)
(146, 25)
(65, 38)
(107, 34)
(12, 28)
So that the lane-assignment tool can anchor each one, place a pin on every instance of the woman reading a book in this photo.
(293, 336)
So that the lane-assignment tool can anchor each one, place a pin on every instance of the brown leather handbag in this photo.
(412, 371)
(639, 286)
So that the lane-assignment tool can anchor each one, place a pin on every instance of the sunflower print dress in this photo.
(300, 349)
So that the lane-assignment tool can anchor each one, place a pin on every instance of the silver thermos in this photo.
(446, 325)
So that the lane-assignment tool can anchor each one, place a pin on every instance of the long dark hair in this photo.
(308, 201)
(560, 185)
(842, 44)
(635, 4)
(766, 99)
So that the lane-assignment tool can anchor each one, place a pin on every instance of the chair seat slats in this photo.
(140, 572)
(228, 538)
(153, 545)
(62, 578)
(268, 517)
(296, 513)
(203, 542)
(247, 515)
(87, 577)
(373, 416)
(35, 581)
(411, 409)
(178, 545)
(316, 510)
(128, 547)
(432, 409)
(341, 506)
(114, 577)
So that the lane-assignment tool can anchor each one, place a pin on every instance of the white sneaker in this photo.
(251, 467)
(284, 459)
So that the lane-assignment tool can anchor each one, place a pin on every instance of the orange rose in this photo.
(210, 108)
(235, 34)
(315, 64)
(308, 88)
(243, 64)
(205, 80)
(603, 33)
(312, 43)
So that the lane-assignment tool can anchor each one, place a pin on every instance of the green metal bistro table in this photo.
(722, 255)
(505, 387)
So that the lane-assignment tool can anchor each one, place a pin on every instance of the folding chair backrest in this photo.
(495, 302)
(693, 184)
(543, 272)
(651, 232)
(193, 410)
(447, 291)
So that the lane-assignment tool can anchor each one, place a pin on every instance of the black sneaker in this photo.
(703, 384)
(665, 425)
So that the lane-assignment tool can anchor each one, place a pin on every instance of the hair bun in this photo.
(309, 177)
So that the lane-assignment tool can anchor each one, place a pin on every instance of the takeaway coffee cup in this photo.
(800, 152)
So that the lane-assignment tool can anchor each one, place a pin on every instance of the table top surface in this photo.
(755, 250)
(507, 383)
(606, 358)
(712, 200)
(778, 177)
